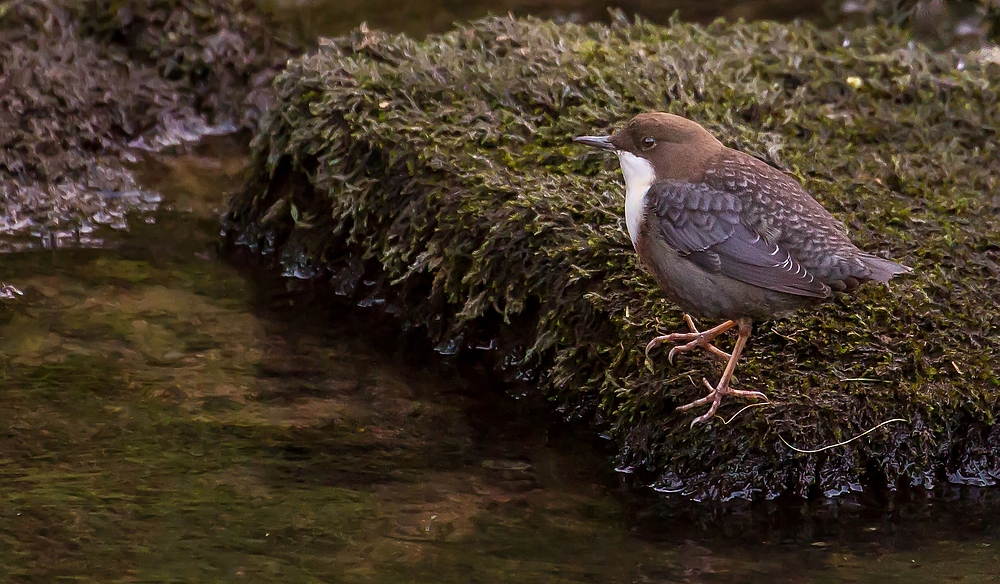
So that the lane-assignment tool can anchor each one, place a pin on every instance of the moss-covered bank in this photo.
(443, 170)
(84, 83)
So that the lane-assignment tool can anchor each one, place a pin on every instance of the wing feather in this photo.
(704, 225)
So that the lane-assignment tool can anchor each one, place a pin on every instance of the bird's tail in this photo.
(881, 270)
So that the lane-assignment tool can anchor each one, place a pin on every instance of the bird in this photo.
(727, 237)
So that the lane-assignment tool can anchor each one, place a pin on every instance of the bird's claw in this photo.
(678, 349)
(692, 340)
(656, 342)
(714, 396)
(697, 338)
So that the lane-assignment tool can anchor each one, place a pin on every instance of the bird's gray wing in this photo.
(704, 225)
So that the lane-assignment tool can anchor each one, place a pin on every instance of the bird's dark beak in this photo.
(602, 142)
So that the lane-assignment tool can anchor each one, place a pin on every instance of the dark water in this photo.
(940, 23)
(331, 17)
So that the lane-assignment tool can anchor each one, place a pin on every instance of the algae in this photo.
(439, 177)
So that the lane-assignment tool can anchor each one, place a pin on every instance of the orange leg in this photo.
(722, 388)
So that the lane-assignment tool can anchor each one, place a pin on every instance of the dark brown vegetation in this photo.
(81, 83)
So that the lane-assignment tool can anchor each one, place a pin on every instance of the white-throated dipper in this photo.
(727, 236)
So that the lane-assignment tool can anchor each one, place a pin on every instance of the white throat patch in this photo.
(639, 174)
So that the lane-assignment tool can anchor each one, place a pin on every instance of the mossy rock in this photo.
(447, 164)
(82, 84)
(221, 54)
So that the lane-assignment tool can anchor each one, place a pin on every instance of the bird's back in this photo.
(775, 206)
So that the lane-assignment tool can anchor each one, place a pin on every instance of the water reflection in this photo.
(316, 18)
(964, 25)
(169, 417)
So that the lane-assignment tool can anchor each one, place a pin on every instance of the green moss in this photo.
(447, 165)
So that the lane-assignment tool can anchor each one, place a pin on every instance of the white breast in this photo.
(639, 174)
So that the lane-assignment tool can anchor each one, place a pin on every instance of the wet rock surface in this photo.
(437, 178)
(83, 85)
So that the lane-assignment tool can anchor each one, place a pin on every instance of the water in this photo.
(957, 24)
(332, 17)
(170, 417)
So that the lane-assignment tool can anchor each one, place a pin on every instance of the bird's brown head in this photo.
(676, 147)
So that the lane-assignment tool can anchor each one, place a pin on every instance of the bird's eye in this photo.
(648, 142)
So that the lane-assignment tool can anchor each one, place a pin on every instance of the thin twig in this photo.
(756, 405)
(864, 379)
(869, 431)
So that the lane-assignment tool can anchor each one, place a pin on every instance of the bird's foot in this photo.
(715, 398)
(693, 340)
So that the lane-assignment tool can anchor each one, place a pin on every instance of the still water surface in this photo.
(419, 17)
(168, 417)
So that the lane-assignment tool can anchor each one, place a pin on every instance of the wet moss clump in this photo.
(438, 178)
(221, 54)
(84, 84)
